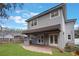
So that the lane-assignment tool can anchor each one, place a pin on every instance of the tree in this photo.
(4, 7)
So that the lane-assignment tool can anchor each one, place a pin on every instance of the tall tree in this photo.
(4, 7)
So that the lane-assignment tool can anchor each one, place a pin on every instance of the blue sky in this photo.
(17, 17)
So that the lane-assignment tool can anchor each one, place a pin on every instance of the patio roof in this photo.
(48, 28)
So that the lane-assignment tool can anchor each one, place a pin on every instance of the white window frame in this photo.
(40, 40)
(53, 44)
(33, 22)
(53, 12)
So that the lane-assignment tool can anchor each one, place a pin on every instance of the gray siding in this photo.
(34, 41)
(45, 20)
(62, 35)
(66, 28)
(70, 31)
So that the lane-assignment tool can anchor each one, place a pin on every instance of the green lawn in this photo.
(17, 50)
(56, 52)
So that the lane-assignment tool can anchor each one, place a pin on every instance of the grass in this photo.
(56, 52)
(17, 50)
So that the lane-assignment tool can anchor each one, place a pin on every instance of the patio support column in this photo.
(45, 39)
(26, 41)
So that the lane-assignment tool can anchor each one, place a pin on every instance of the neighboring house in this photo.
(77, 36)
(77, 41)
(51, 28)
(6, 35)
(19, 37)
(11, 36)
(77, 33)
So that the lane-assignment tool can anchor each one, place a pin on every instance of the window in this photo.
(34, 22)
(41, 37)
(54, 13)
(51, 39)
(69, 36)
(42, 40)
(56, 39)
(39, 40)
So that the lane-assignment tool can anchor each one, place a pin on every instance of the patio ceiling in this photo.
(44, 29)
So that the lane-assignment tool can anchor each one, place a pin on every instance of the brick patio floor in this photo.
(38, 48)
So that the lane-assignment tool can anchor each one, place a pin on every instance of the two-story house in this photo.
(51, 28)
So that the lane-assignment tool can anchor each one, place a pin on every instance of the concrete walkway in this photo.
(38, 48)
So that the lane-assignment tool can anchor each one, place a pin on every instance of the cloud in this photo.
(19, 11)
(3, 25)
(76, 26)
(24, 28)
(21, 19)
(26, 13)
(33, 14)
(2, 21)
(17, 19)
(29, 14)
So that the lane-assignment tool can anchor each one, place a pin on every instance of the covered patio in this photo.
(44, 36)
(41, 39)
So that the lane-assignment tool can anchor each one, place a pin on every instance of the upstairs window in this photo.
(34, 22)
(39, 40)
(54, 13)
(42, 37)
(69, 36)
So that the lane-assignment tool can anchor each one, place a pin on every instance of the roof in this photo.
(47, 11)
(71, 20)
(23, 35)
(48, 28)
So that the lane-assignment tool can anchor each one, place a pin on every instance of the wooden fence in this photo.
(6, 40)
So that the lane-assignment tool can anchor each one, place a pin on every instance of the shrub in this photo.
(69, 47)
(76, 50)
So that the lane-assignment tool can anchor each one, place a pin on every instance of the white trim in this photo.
(53, 44)
(40, 39)
(37, 20)
(54, 12)
(50, 15)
